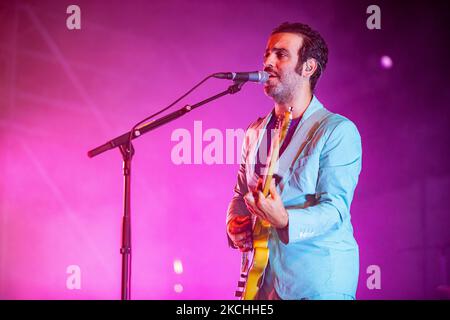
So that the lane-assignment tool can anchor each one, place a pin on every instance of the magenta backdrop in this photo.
(64, 92)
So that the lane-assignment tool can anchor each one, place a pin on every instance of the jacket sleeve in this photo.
(237, 205)
(339, 168)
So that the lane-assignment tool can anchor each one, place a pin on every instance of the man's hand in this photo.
(270, 209)
(239, 230)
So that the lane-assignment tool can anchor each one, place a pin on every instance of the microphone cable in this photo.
(130, 137)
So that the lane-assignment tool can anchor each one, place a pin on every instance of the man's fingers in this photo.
(246, 247)
(250, 202)
(273, 190)
(261, 198)
(254, 210)
(241, 219)
(244, 236)
(252, 198)
(243, 240)
(240, 229)
(240, 224)
(249, 199)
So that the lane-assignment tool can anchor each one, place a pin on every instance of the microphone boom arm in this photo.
(149, 126)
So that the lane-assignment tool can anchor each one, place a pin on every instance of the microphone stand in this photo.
(127, 151)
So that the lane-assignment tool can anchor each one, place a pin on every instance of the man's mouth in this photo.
(271, 74)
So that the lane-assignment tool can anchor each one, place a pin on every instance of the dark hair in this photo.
(313, 47)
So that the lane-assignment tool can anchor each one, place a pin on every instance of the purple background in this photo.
(64, 92)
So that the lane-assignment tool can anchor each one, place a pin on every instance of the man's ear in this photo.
(309, 67)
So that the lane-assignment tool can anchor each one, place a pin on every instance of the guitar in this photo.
(254, 262)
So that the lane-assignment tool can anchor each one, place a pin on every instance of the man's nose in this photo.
(269, 61)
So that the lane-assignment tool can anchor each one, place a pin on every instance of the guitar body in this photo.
(257, 260)
(254, 263)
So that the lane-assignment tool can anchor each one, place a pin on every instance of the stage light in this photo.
(178, 266)
(386, 62)
(178, 288)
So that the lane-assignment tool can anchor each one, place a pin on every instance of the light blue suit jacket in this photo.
(319, 171)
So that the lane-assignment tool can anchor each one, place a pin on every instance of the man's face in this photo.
(280, 61)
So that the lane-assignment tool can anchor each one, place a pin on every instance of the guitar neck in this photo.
(275, 150)
(279, 136)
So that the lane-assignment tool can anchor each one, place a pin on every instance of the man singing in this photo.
(313, 253)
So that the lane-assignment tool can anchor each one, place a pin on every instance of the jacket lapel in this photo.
(294, 150)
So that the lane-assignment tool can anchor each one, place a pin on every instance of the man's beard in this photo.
(282, 91)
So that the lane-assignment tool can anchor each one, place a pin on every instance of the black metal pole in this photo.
(127, 154)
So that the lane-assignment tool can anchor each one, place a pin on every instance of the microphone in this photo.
(255, 76)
